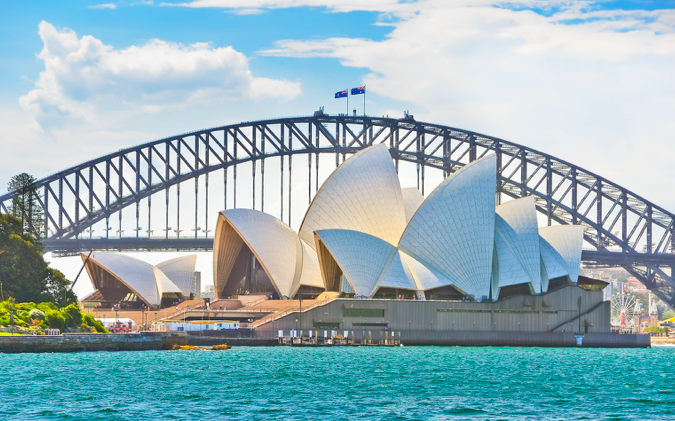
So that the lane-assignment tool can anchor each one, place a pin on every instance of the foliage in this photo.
(24, 274)
(73, 314)
(36, 314)
(47, 315)
(668, 314)
(89, 321)
(55, 319)
(25, 205)
(660, 330)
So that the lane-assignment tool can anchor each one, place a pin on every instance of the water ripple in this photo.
(411, 383)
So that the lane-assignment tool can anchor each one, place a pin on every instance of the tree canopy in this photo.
(24, 274)
(25, 205)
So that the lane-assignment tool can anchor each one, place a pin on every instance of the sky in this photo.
(590, 82)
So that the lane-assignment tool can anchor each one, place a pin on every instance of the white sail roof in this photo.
(568, 241)
(181, 271)
(553, 263)
(509, 271)
(362, 258)
(275, 245)
(425, 277)
(412, 199)
(311, 272)
(516, 223)
(397, 275)
(453, 230)
(363, 194)
(137, 275)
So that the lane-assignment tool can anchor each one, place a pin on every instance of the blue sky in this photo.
(588, 81)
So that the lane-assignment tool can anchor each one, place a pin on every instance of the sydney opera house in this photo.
(363, 236)
(119, 278)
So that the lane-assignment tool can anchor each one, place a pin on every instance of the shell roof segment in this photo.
(453, 230)
(148, 282)
(363, 194)
(517, 224)
(181, 271)
(363, 258)
(275, 245)
(568, 241)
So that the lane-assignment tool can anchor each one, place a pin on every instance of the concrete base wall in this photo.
(556, 311)
(74, 342)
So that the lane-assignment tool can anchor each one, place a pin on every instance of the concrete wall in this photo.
(74, 342)
(542, 313)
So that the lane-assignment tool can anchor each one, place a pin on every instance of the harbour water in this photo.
(280, 383)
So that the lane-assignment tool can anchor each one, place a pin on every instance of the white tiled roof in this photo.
(568, 241)
(363, 194)
(274, 243)
(453, 230)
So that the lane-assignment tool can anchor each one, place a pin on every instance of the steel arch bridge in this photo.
(621, 228)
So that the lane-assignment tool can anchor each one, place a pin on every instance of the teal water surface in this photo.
(279, 383)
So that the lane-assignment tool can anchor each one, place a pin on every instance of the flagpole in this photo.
(364, 100)
(347, 102)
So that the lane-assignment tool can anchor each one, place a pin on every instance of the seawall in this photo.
(75, 342)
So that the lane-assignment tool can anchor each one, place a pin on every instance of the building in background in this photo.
(133, 284)
(364, 236)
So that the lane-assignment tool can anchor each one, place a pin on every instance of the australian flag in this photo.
(341, 94)
(359, 90)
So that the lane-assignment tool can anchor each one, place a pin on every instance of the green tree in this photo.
(22, 268)
(55, 319)
(73, 315)
(24, 274)
(25, 205)
(36, 314)
(56, 288)
(668, 314)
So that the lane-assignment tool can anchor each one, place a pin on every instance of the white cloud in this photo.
(598, 92)
(335, 5)
(83, 76)
(110, 6)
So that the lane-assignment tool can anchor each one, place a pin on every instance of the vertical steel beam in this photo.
(166, 191)
(648, 221)
(523, 173)
(417, 157)
(46, 215)
(234, 171)
(337, 144)
(91, 193)
(77, 202)
(549, 189)
(624, 222)
(178, 159)
(601, 240)
(253, 159)
(60, 204)
(120, 194)
(575, 205)
(309, 164)
(316, 175)
(290, 173)
(283, 144)
(138, 191)
(207, 150)
(262, 172)
(196, 166)
(150, 168)
(498, 153)
(226, 149)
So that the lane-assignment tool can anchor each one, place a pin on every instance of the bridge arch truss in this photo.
(117, 190)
